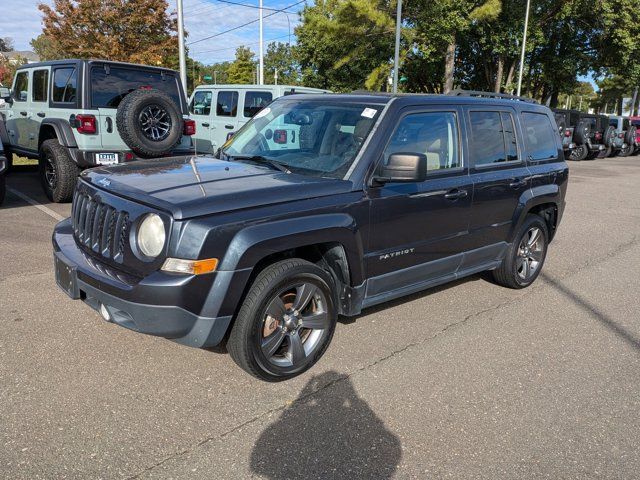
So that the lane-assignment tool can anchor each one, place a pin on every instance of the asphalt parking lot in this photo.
(470, 380)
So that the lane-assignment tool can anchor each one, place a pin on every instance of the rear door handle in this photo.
(455, 194)
(517, 183)
(41, 114)
(229, 127)
(24, 114)
(205, 125)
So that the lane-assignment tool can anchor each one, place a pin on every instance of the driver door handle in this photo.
(41, 114)
(455, 194)
(229, 127)
(517, 182)
(24, 114)
(205, 125)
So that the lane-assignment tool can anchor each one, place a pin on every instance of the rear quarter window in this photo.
(64, 87)
(539, 136)
(110, 85)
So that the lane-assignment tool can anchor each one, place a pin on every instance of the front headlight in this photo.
(151, 235)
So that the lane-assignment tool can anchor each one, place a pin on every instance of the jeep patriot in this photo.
(376, 197)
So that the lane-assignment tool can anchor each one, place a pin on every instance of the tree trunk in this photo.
(498, 85)
(633, 100)
(449, 65)
(512, 70)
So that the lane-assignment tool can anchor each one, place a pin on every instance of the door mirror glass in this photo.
(404, 167)
(5, 94)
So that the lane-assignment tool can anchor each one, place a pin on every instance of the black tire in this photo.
(248, 335)
(507, 274)
(579, 153)
(147, 136)
(582, 133)
(630, 136)
(58, 172)
(626, 151)
(3, 188)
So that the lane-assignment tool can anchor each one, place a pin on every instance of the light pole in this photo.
(396, 57)
(261, 75)
(524, 46)
(181, 56)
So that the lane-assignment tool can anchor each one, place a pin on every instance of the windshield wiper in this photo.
(260, 159)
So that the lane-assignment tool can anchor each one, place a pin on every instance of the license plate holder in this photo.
(107, 158)
(66, 277)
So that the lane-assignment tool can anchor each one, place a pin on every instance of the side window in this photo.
(493, 138)
(40, 85)
(21, 88)
(201, 103)
(227, 105)
(539, 137)
(64, 85)
(256, 101)
(434, 134)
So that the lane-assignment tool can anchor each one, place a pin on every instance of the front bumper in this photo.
(192, 310)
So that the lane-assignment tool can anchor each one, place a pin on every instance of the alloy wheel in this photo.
(294, 324)
(50, 172)
(530, 253)
(155, 122)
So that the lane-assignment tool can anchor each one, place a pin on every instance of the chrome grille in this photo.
(99, 227)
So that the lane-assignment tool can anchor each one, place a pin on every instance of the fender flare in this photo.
(63, 131)
(532, 197)
(256, 242)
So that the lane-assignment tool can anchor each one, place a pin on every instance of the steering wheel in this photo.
(263, 144)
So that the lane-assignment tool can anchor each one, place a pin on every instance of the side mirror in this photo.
(403, 167)
(5, 94)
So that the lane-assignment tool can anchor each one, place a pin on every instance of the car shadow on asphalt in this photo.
(594, 311)
(328, 432)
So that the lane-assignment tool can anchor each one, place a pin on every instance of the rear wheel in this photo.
(626, 150)
(286, 321)
(526, 255)
(58, 173)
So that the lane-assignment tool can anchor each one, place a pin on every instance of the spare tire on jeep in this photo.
(581, 133)
(149, 122)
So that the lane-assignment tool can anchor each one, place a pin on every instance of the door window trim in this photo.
(16, 98)
(558, 150)
(232, 91)
(516, 126)
(57, 104)
(47, 72)
(193, 98)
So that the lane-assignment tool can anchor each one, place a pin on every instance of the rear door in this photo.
(200, 111)
(225, 117)
(39, 102)
(500, 176)
(543, 151)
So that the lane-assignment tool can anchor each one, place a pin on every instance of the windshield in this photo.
(313, 138)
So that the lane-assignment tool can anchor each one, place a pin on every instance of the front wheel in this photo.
(579, 153)
(286, 321)
(526, 255)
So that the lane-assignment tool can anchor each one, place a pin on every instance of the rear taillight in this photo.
(189, 127)
(567, 133)
(621, 135)
(86, 124)
(598, 136)
(128, 156)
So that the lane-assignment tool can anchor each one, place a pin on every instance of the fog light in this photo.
(104, 312)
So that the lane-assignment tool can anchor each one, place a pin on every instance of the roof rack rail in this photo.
(476, 93)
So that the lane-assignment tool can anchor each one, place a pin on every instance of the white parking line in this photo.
(39, 206)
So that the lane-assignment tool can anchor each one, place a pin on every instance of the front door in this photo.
(39, 103)
(17, 122)
(419, 230)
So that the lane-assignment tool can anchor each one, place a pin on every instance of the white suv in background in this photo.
(220, 110)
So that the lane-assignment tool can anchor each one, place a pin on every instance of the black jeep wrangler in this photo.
(362, 199)
(584, 136)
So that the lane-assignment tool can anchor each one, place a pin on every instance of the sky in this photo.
(21, 20)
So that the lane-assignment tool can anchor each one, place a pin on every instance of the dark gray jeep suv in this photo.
(321, 205)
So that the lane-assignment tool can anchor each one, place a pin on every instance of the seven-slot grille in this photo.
(98, 226)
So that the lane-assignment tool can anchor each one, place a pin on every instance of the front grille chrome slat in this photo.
(100, 227)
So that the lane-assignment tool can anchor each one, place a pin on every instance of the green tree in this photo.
(346, 44)
(138, 31)
(280, 56)
(44, 48)
(242, 69)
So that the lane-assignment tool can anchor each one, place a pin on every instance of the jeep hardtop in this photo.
(75, 114)
(261, 249)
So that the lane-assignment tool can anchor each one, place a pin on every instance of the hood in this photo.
(193, 186)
